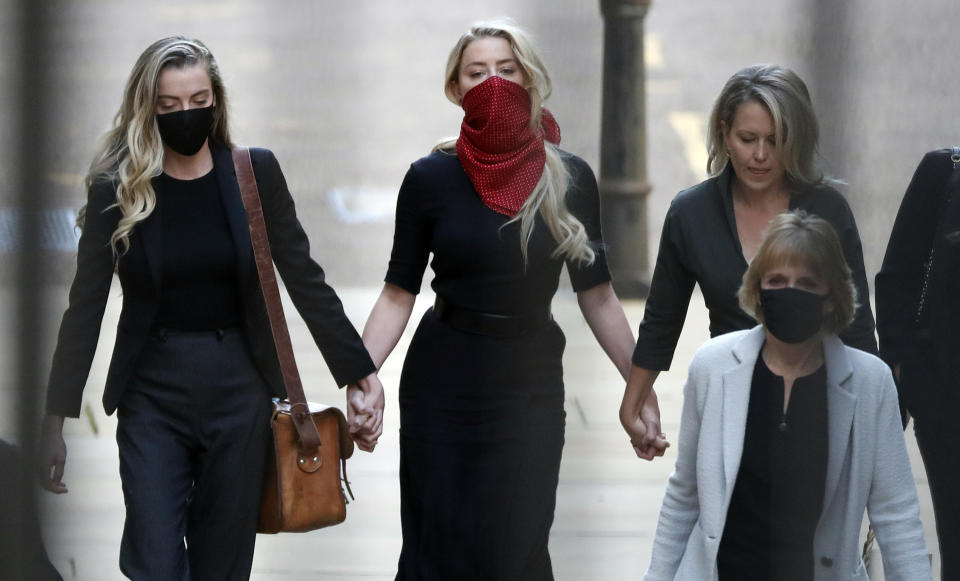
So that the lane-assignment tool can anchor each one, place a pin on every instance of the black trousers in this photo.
(192, 432)
(940, 449)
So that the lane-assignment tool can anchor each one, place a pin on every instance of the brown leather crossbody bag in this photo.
(306, 470)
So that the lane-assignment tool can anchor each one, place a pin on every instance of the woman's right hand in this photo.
(640, 414)
(53, 454)
(365, 403)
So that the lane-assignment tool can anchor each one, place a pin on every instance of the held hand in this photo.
(53, 455)
(641, 421)
(650, 415)
(365, 402)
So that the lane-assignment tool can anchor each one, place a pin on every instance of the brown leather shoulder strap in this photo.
(309, 437)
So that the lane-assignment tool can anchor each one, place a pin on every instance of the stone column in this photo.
(623, 146)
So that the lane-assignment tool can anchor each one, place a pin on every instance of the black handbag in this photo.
(944, 203)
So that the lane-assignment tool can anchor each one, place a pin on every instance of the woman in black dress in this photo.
(481, 394)
(918, 321)
(762, 143)
(194, 365)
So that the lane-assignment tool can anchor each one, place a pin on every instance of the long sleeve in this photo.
(315, 300)
(892, 504)
(860, 333)
(666, 307)
(830, 205)
(681, 505)
(80, 326)
(899, 282)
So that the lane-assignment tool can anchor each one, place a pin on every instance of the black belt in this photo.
(161, 333)
(490, 324)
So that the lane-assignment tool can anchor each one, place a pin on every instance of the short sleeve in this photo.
(583, 201)
(411, 236)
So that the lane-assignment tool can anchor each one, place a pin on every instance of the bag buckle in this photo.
(309, 463)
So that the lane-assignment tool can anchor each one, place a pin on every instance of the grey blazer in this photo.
(867, 466)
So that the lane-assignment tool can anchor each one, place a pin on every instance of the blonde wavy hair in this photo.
(548, 197)
(785, 96)
(131, 153)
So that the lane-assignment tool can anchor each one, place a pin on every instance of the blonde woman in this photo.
(788, 436)
(481, 395)
(761, 148)
(194, 365)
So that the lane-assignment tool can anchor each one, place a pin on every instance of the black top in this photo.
(778, 497)
(928, 219)
(928, 214)
(700, 245)
(476, 256)
(198, 290)
(140, 272)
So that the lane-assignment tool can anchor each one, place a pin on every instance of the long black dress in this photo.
(481, 418)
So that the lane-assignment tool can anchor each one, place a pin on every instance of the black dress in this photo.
(481, 417)
(700, 245)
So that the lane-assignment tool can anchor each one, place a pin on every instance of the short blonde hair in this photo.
(797, 237)
(785, 96)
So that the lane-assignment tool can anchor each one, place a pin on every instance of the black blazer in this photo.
(927, 349)
(700, 245)
(140, 279)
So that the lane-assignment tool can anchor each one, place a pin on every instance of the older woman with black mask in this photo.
(787, 435)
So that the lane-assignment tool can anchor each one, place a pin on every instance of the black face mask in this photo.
(790, 314)
(186, 131)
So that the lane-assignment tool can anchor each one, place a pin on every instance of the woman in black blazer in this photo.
(194, 365)
(762, 146)
(918, 321)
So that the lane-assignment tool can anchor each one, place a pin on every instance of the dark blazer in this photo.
(700, 245)
(140, 279)
(927, 349)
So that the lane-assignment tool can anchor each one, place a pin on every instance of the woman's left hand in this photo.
(365, 401)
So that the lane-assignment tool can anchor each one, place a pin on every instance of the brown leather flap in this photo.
(319, 409)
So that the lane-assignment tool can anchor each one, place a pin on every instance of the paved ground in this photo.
(607, 500)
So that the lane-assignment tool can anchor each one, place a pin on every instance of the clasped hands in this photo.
(365, 402)
(641, 420)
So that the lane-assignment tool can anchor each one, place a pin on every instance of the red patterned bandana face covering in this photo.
(502, 155)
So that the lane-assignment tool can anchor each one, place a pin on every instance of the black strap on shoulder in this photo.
(953, 182)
